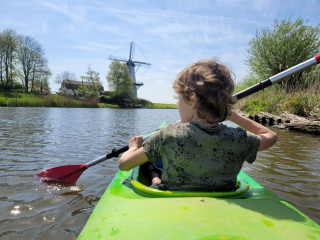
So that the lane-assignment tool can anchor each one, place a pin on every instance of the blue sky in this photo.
(168, 34)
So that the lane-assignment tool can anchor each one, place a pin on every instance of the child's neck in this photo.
(205, 121)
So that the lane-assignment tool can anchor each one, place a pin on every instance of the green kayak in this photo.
(129, 209)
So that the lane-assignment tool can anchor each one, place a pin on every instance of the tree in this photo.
(8, 45)
(22, 57)
(31, 59)
(286, 44)
(43, 81)
(93, 78)
(83, 90)
(39, 72)
(119, 80)
(65, 75)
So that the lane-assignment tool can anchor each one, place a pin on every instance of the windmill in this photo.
(131, 68)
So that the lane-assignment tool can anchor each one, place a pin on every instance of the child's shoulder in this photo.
(238, 133)
(175, 128)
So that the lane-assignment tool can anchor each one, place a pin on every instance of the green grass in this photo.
(302, 99)
(107, 105)
(305, 103)
(11, 99)
(163, 106)
(31, 100)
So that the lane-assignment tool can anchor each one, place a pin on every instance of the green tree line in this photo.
(23, 65)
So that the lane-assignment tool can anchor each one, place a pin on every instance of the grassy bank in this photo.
(305, 103)
(8, 99)
(163, 106)
(107, 105)
(148, 106)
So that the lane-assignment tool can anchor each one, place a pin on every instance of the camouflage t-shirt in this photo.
(200, 158)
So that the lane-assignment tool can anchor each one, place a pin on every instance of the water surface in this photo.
(33, 139)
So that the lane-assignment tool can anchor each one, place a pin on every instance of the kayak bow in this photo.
(124, 212)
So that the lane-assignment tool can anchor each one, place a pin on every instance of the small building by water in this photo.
(71, 87)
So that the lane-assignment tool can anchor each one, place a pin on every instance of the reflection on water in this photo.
(33, 139)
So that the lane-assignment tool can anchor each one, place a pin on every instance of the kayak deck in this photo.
(124, 212)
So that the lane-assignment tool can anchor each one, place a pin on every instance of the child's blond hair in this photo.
(213, 86)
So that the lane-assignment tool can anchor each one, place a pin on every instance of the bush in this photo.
(267, 100)
(302, 104)
(120, 101)
(3, 101)
(143, 103)
(14, 87)
(276, 100)
(285, 44)
(104, 99)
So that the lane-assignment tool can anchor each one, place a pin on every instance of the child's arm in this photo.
(267, 137)
(134, 156)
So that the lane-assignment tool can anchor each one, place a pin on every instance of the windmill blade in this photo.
(132, 50)
(141, 63)
(117, 58)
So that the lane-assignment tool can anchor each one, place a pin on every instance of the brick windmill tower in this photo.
(131, 64)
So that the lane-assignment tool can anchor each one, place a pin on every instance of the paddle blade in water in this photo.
(64, 174)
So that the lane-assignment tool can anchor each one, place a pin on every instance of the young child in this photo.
(200, 153)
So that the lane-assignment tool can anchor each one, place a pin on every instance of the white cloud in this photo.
(76, 12)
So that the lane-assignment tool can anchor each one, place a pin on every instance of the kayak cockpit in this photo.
(141, 184)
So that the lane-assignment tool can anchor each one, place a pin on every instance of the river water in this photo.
(34, 139)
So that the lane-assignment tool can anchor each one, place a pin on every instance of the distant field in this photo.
(164, 105)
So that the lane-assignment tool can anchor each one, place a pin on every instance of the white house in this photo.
(71, 87)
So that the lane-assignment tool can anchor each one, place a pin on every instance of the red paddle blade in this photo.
(63, 174)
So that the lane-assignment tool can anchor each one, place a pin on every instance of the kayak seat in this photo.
(141, 184)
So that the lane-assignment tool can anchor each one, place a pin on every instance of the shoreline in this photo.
(113, 106)
(13, 99)
(287, 121)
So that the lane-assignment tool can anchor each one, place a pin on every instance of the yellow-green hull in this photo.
(125, 212)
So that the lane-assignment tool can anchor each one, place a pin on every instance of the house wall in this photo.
(67, 91)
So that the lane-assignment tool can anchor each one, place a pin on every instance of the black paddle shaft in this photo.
(116, 152)
(255, 88)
